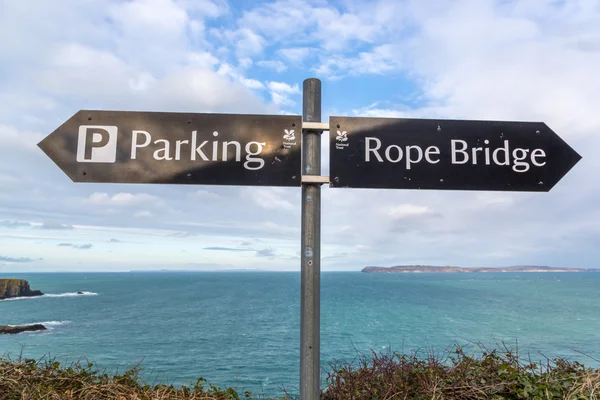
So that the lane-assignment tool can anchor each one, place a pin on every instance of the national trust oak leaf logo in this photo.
(289, 135)
(341, 136)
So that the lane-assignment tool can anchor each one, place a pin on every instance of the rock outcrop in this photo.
(23, 328)
(16, 288)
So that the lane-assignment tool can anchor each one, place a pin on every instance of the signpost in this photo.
(440, 154)
(283, 150)
(178, 148)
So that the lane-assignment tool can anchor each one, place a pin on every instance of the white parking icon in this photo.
(97, 144)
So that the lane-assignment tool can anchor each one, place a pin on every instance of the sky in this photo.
(527, 60)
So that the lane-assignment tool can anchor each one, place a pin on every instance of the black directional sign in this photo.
(178, 148)
(446, 154)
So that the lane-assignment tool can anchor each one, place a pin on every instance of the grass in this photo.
(10, 287)
(449, 375)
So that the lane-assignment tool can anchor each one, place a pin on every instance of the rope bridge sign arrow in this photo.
(388, 153)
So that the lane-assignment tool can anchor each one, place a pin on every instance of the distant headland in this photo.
(10, 288)
(429, 268)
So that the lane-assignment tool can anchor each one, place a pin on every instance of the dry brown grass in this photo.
(454, 375)
(448, 375)
(49, 380)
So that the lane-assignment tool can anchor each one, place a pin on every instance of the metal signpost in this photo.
(310, 259)
(283, 150)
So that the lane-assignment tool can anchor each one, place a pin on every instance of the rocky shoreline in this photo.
(10, 288)
(11, 330)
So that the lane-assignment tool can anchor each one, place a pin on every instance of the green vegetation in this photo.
(450, 375)
(16, 287)
(455, 375)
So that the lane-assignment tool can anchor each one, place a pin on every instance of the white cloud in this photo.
(296, 54)
(280, 230)
(13, 138)
(246, 41)
(404, 211)
(296, 21)
(206, 195)
(252, 83)
(124, 200)
(276, 65)
(157, 17)
(208, 8)
(281, 99)
(524, 60)
(374, 111)
(381, 59)
(281, 92)
(269, 198)
(282, 87)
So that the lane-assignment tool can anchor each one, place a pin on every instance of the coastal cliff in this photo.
(16, 288)
(428, 268)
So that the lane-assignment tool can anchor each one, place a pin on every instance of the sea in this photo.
(242, 329)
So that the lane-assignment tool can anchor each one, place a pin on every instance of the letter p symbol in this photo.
(97, 144)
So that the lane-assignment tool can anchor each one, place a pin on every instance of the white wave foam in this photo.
(47, 324)
(71, 294)
(52, 295)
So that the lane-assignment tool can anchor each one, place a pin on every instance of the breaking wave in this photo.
(70, 294)
(74, 294)
(48, 324)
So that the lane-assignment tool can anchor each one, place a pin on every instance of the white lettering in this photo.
(534, 155)
(164, 150)
(432, 150)
(134, 142)
(409, 159)
(455, 150)
(388, 151)
(178, 148)
(367, 149)
(215, 155)
(250, 159)
(215, 151)
(238, 151)
(198, 149)
(520, 166)
(475, 150)
(506, 154)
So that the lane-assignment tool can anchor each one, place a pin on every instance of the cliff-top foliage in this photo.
(10, 286)
(5, 283)
(451, 375)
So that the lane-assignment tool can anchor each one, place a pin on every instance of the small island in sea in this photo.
(448, 269)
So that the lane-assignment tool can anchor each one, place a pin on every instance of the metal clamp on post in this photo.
(318, 127)
(315, 179)
(315, 126)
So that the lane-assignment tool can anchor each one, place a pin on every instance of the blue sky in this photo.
(526, 60)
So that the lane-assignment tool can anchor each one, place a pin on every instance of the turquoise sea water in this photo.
(242, 329)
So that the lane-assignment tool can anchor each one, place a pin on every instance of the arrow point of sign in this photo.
(568, 157)
(57, 147)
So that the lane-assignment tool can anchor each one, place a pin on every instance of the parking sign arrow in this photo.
(178, 148)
